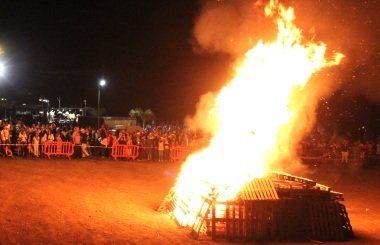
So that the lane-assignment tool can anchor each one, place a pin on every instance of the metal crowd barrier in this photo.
(117, 151)
(125, 151)
(58, 148)
(179, 153)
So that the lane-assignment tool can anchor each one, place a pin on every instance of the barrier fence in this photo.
(116, 151)
(133, 152)
(58, 148)
(125, 151)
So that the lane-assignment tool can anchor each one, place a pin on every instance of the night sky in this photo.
(145, 50)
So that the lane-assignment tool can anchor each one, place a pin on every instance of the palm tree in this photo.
(144, 116)
(136, 113)
(147, 116)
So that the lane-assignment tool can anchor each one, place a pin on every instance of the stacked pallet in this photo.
(281, 207)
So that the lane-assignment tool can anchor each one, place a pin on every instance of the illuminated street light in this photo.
(102, 83)
(2, 69)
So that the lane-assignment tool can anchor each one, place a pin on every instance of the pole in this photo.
(85, 107)
(98, 105)
(5, 109)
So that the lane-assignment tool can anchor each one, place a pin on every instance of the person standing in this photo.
(23, 140)
(50, 136)
(84, 136)
(345, 153)
(166, 149)
(160, 150)
(122, 139)
(36, 142)
(5, 139)
(149, 146)
(77, 143)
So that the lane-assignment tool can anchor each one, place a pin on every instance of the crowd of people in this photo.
(342, 151)
(154, 142)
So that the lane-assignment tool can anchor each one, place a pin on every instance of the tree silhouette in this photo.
(142, 116)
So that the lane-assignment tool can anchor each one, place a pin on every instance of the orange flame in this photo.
(261, 90)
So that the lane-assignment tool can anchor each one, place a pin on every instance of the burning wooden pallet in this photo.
(280, 207)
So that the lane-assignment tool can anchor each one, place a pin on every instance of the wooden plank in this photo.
(261, 189)
(333, 227)
(321, 219)
(249, 190)
(233, 235)
(325, 221)
(349, 233)
(273, 188)
(335, 230)
(241, 229)
(267, 189)
(248, 220)
(257, 189)
(339, 222)
(313, 221)
(227, 223)
(213, 224)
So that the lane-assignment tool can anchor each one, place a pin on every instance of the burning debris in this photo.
(278, 207)
(221, 190)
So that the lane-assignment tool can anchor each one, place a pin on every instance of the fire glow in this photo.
(263, 90)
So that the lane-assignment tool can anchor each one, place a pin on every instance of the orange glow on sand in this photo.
(263, 90)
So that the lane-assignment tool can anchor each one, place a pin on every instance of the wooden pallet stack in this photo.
(281, 207)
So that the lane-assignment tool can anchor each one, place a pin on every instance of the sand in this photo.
(91, 201)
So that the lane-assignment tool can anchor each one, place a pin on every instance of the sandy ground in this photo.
(113, 202)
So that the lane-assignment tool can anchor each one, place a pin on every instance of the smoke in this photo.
(347, 26)
(353, 28)
(231, 27)
(204, 118)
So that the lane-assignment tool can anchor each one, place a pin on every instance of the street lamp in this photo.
(85, 107)
(4, 102)
(101, 84)
(2, 69)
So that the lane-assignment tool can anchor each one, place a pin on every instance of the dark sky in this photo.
(142, 48)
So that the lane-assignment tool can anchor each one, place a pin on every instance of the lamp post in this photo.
(101, 84)
(4, 100)
(85, 107)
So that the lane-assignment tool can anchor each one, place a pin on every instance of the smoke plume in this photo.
(347, 26)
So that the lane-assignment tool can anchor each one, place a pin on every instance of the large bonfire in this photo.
(265, 84)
